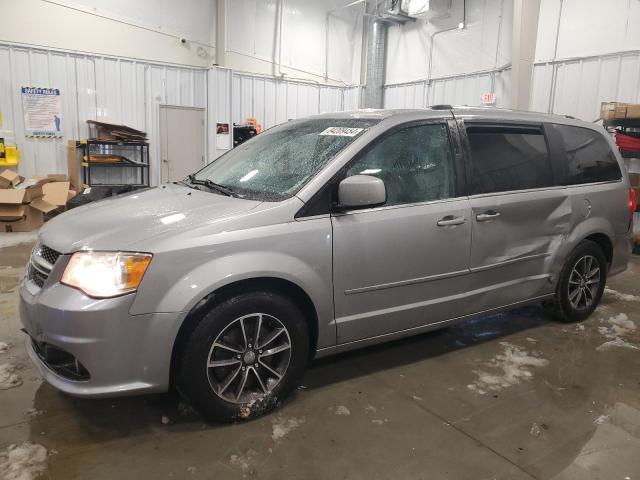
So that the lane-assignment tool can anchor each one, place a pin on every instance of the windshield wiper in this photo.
(210, 184)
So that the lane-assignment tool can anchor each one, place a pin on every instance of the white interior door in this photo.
(182, 142)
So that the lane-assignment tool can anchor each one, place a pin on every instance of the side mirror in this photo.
(361, 191)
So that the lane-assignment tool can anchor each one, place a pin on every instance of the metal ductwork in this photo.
(376, 59)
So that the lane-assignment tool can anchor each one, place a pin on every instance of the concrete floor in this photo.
(506, 397)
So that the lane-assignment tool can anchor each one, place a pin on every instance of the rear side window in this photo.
(505, 158)
(588, 156)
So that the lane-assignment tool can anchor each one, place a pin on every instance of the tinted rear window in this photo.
(508, 158)
(588, 156)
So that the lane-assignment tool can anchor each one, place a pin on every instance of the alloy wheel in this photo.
(249, 358)
(584, 282)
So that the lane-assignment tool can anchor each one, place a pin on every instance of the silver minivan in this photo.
(319, 236)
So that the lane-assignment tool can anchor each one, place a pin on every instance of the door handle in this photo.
(450, 220)
(486, 216)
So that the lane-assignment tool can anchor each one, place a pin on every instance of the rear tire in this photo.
(581, 284)
(225, 374)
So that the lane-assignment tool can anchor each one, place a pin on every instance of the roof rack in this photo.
(441, 107)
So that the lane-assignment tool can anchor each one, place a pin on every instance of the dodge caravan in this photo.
(323, 235)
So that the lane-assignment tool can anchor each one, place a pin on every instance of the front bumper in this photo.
(123, 354)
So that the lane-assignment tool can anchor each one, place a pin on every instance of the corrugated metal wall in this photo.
(92, 87)
(235, 97)
(272, 102)
(464, 89)
(130, 92)
(577, 86)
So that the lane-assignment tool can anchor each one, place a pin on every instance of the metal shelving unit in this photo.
(124, 154)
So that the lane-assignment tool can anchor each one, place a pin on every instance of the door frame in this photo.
(327, 193)
(161, 139)
(321, 202)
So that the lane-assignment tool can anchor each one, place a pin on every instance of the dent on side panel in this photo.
(530, 224)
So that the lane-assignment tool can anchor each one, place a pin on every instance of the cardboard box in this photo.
(73, 166)
(620, 112)
(9, 179)
(24, 218)
(11, 213)
(22, 208)
(32, 188)
(56, 193)
(633, 111)
(24, 205)
(57, 177)
(31, 220)
(11, 196)
(43, 205)
(607, 110)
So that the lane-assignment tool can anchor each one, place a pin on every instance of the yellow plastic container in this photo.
(11, 156)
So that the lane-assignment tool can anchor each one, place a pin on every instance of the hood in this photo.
(116, 222)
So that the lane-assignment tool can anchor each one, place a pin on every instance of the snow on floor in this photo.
(8, 377)
(12, 239)
(617, 343)
(616, 326)
(284, 426)
(510, 367)
(342, 410)
(243, 460)
(625, 297)
(614, 330)
(22, 462)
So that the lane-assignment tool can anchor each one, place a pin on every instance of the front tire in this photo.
(244, 357)
(581, 283)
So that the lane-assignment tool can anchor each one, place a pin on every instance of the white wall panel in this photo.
(577, 87)
(273, 101)
(219, 108)
(115, 28)
(235, 97)
(456, 90)
(92, 87)
(587, 28)
(484, 44)
(194, 18)
(351, 98)
(310, 31)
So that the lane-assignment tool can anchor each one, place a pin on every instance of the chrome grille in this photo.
(49, 254)
(36, 276)
(42, 260)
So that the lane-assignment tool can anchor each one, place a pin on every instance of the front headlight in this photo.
(106, 274)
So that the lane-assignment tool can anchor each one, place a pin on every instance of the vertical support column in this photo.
(523, 49)
(221, 33)
(375, 69)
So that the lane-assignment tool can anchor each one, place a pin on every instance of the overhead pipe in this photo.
(495, 63)
(554, 68)
(460, 26)
(277, 64)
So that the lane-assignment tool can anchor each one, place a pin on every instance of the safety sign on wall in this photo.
(42, 112)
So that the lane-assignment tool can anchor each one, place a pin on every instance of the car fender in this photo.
(208, 277)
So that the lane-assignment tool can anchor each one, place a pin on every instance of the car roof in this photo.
(468, 113)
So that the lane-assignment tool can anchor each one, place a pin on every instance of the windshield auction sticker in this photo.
(342, 131)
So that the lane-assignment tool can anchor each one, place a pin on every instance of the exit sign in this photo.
(489, 98)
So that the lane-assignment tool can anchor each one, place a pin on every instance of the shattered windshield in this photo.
(277, 163)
